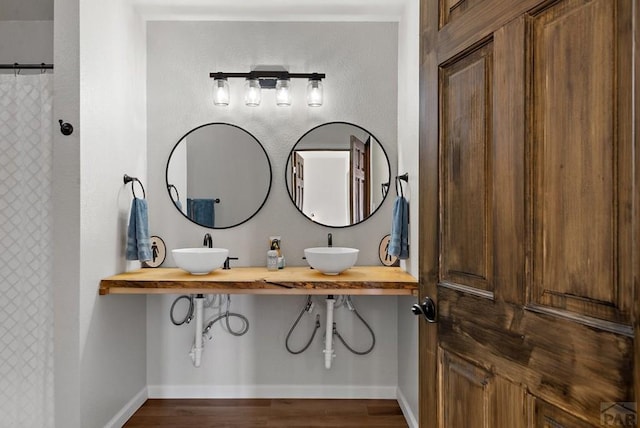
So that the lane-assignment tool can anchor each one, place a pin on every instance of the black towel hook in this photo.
(404, 177)
(129, 179)
(65, 127)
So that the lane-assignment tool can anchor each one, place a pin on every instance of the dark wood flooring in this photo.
(250, 413)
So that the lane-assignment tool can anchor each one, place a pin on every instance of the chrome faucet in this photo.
(208, 241)
(329, 240)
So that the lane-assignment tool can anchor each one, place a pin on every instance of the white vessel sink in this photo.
(200, 261)
(331, 260)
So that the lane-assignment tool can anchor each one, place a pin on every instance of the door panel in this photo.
(566, 363)
(471, 392)
(298, 180)
(359, 178)
(466, 88)
(580, 263)
(450, 10)
(538, 214)
(548, 416)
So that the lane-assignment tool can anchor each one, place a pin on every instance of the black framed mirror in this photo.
(338, 174)
(218, 175)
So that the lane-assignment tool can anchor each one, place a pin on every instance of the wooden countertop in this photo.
(369, 280)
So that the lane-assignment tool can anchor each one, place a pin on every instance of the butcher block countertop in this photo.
(361, 280)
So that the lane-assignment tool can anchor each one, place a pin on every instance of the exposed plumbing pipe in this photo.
(328, 337)
(196, 350)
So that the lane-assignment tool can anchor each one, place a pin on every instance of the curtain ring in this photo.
(128, 179)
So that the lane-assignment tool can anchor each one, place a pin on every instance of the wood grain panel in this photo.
(576, 148)
(450, 10)
(429, 205)
(469, 391)
(508, 162)
(570, 365)
(466, 125)
(476, 397)
(548, 416)
(372, 280)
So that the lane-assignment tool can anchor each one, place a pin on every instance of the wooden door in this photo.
(529, 153)
(297, 178)
(359, 191)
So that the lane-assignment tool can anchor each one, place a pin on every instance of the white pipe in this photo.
(196, 350)
(328, 338)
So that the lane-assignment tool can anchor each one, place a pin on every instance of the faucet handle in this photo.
(226, 263)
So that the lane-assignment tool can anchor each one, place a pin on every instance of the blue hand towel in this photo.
(399, 242)
(138, 242)
(201, 211)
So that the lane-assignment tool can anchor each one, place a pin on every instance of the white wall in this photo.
(408, 118)
(180, 57)
(25, 42)
(113, 128)
(182, 54)
(326, 186)
(66, 215)
(100, 341)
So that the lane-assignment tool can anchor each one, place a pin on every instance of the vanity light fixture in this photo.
(221, 92)
(257, 80)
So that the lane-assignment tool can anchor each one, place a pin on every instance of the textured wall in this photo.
(25, 42)
(360, 60)
(112, 130)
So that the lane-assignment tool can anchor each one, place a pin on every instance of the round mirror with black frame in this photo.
(218, 175)
(338, 174)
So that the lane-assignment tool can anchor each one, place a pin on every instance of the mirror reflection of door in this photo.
(298, 180)
(335, 172)
(359, 190)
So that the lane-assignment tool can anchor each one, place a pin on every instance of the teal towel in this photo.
(138, 242)
(202, 211)
(399, 242)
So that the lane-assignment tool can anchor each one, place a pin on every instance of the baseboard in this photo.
(271, 391)
(128, 410)
(412, 421)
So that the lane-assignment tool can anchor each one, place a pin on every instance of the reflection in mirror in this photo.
(218, 175)
(338, 174)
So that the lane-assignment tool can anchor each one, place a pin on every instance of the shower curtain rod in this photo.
(16, 66)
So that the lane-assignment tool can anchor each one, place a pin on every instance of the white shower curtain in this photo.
(26, 295)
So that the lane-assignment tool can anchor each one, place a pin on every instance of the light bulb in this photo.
(221, 92)
(283, 97)
(252, 95)
(314, 93)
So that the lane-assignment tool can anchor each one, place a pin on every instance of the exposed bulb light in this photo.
(283, 96)
(314, 92)
(221, 92)
(259, 79)
(252, 94)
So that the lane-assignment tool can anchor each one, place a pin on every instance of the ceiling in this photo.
(272, 10)
(230, 10)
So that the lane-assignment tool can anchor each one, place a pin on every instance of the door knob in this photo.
(427, 309)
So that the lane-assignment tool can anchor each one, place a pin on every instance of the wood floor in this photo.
(249, 413)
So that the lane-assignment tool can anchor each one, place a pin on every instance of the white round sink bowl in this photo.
(331, 260)
(200, 261)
